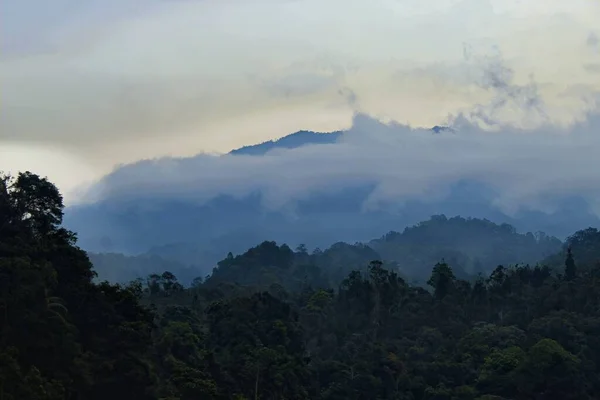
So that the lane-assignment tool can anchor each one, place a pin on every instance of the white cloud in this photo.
(527, 169)
(115, 81)
(528, 165)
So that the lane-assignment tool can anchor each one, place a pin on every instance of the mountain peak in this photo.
(302, 138)
(292, 141)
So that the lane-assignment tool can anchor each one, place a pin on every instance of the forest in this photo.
(469, 245)
(274, 323)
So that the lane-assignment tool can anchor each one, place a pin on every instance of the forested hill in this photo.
(585, 243)
(469, 245)
(519, 332)
(119, 268)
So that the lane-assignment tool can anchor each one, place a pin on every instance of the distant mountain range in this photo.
(470, 246)
(202, 233)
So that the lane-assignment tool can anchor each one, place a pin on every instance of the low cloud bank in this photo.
(526, 169)
(510, 145)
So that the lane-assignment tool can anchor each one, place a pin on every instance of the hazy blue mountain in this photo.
(201, 234)
(302, 138)
(469, 245)
(298, 139)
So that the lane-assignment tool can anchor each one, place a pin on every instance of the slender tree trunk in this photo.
(256, 383)
(376, 312)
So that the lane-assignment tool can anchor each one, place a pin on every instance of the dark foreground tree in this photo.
(61, 336)
(272, 324)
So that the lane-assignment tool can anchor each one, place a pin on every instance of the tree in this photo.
(197, 282)
(442, 279)
(551, 372)
(98, 347)
(570, 268)
(37, 202)
(521, 333)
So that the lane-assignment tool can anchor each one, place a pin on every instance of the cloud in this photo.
(531, 168)
(113, 82)
(592, 68)
(593, 41)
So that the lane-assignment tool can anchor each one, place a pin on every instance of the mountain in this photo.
(200, 233)
(295, 140)
(302, 138)
(469, 245)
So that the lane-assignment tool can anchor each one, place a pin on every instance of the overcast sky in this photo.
(89, 84)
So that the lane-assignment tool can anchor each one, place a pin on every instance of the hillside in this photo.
(266, 325)
(470, 246)
(119, 268)
(585, 243)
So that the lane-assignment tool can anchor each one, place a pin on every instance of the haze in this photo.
(89, 85)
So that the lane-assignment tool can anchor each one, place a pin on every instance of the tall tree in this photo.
(441, 280)
(570, 268)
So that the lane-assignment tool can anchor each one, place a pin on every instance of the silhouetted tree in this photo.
(570, 268)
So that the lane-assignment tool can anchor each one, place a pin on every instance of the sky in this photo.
(87, 85)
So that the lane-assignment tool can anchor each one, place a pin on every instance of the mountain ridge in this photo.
(185, 228)
(469, 245)
(291, 141)
(303, 138)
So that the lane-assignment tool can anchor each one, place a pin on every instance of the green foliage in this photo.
(119, 268)
(272, 324)
(442, 280)
(570, 269)
(65, 337)
(468, 245)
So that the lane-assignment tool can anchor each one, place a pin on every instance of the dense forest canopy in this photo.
(469, 245)
(275, 323)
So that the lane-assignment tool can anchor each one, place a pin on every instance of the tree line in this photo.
(274, 324)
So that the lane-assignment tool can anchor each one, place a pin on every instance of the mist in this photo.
(505, 159)
(510, 145)
(113, 82)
